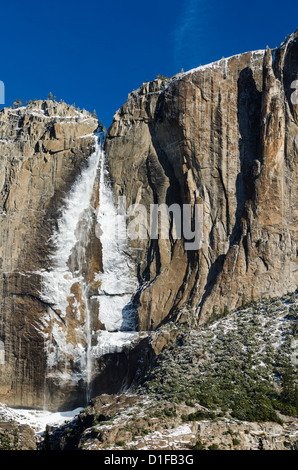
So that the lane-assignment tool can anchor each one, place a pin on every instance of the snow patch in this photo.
(37, 419)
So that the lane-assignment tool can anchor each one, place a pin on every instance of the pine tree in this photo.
(225, 311)
(289, 390)
(46, 444)
(214, 316)
(50, 96)
(17, 103)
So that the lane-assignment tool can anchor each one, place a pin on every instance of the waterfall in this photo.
(117, 282)
(66, 286)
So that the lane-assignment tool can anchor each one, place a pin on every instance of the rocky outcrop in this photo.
(126, 369)
(223, 136)
(14, 436)
(43, 150)
(125, 423)
(229, 385)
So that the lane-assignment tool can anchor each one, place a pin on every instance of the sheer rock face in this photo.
(43, 148)
(224, 136)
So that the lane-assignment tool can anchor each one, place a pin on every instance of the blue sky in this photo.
(93, 53)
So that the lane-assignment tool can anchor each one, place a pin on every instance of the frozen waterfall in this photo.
(65, 287)
(117, 283)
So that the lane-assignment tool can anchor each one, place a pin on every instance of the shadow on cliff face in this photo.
(249, 115)
(113, 373)
(119, 371)
(167, 134)
(290, 74)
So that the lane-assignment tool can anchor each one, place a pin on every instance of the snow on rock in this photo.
(36, 419)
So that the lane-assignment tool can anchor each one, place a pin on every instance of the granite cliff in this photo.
(223, 136)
